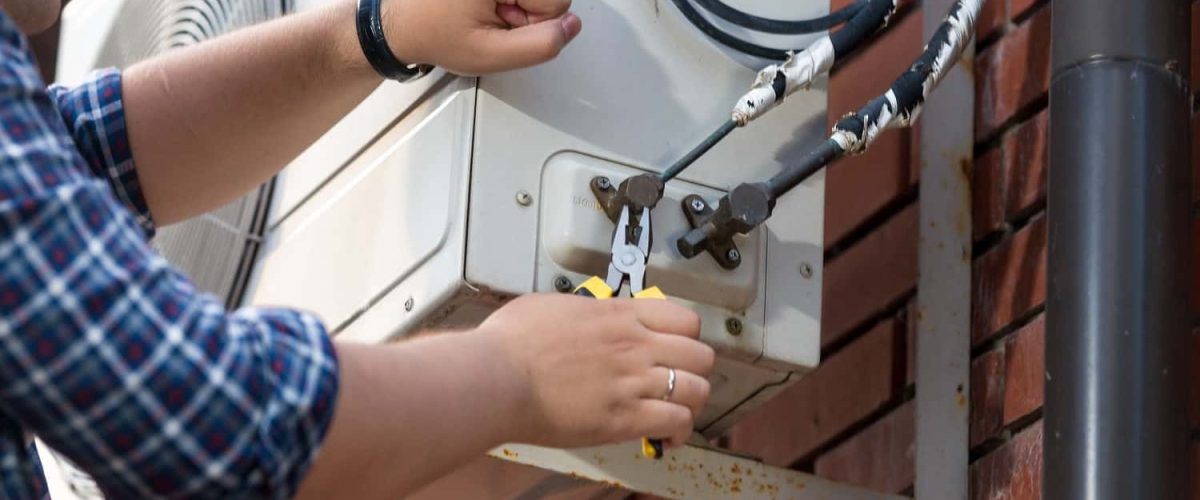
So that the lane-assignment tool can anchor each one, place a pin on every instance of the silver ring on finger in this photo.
(670, 384)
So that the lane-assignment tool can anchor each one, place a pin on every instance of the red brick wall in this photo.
(852, 419)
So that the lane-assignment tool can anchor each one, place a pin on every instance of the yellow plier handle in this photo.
(596, 288)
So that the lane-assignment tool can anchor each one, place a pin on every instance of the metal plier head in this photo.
(629, 258)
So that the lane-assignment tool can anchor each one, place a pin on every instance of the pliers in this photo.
(628, 261)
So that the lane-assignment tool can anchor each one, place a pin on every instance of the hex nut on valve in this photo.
(744, 208)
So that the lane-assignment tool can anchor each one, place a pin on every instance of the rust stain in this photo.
(612, 484)
(735, 470)
(735, 486)
(509, 453)
(962, 213)
(959, 397)
(967, 63)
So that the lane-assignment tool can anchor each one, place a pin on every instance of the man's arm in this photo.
(210, 122)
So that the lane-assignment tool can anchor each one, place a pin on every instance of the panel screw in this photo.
(697, 205)
(603, 183)
(524, 199)
(733, 254)
(562, 284)
(408, 304)
(733, 326)
(806, 270)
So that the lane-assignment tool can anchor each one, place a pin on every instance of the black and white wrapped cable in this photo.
(777, 81)
(899, 106)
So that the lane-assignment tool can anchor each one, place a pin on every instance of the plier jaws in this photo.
(628, 260)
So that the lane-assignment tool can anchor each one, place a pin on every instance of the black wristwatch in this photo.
(375, 47)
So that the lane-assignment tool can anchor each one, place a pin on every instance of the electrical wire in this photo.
(862, 19)
(775, 26)
(693, 16)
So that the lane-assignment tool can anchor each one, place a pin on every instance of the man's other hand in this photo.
(472, 37)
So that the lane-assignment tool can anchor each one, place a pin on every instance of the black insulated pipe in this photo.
(1116, 423)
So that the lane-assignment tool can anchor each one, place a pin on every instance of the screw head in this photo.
(603, 183)
(733, 254)
(698, 205)
(806, 270)
(733, 326)
(408, 304)
(562, 284)
(524, 198)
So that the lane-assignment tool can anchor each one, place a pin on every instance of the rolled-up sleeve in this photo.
(94, 115)
(108, 353)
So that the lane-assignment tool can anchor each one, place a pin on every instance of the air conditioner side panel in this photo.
(387, 228)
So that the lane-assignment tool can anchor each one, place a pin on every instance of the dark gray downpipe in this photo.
(1116, 423)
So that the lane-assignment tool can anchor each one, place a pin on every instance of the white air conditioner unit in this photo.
(434, 202)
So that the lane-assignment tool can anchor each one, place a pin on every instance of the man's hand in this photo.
(595, 372)
(474, 37)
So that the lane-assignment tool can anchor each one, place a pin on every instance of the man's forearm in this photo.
(410, 413)
(210, 122)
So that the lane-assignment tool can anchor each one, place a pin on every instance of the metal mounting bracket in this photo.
(698, 213)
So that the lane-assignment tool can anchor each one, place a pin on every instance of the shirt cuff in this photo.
(94, 115)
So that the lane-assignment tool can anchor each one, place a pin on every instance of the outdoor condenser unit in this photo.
(434, 202)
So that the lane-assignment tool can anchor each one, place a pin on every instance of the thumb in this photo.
(531, 44)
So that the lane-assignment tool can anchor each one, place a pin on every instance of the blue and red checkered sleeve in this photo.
(111, 355)
(95, 117)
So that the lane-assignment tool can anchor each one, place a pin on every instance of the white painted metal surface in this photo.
(944, 285)
(389, 227)
(689, 472)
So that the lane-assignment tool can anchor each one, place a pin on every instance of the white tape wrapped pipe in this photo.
(777, 81)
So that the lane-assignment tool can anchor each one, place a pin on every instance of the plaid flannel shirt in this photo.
(109, 354)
